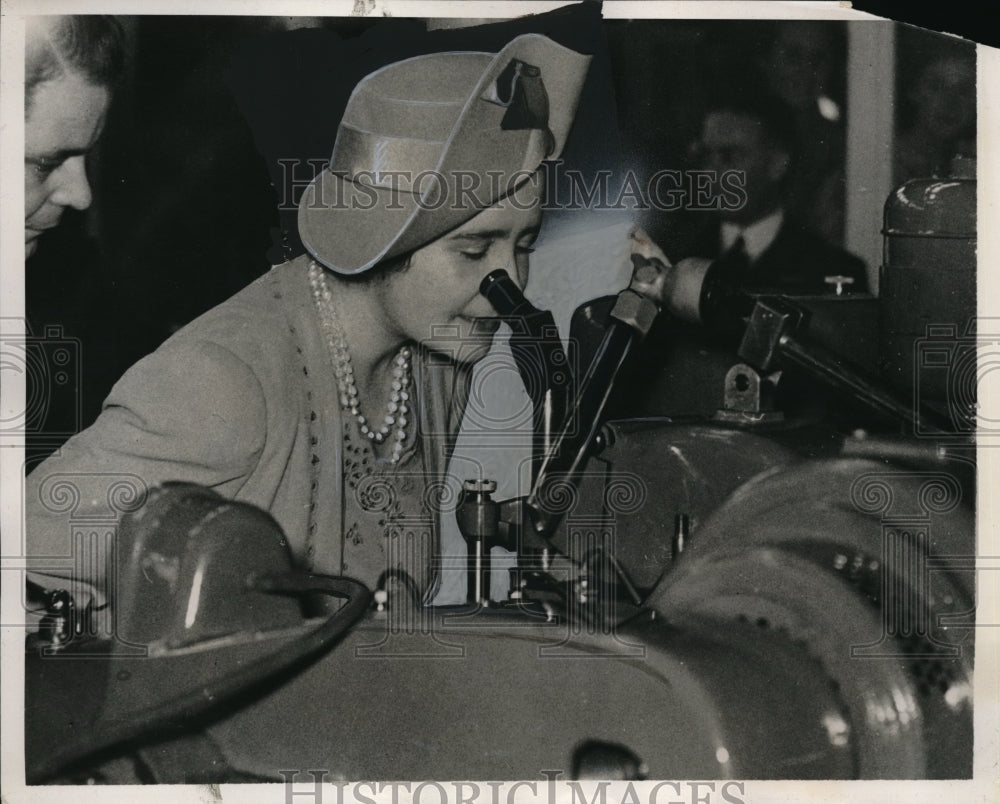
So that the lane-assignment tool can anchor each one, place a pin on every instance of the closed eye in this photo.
(42, 166)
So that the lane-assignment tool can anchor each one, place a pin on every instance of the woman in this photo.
(330, 390)
(71, 66)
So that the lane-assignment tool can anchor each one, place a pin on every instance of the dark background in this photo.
(976, 21)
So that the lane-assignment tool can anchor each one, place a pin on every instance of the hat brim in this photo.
(348, 227)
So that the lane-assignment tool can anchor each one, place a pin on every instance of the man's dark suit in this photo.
(797, 262)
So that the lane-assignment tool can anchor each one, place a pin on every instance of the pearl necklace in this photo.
(399, 395)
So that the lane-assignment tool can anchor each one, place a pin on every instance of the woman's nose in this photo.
(515, 271)
(517, 265)
(72, 188)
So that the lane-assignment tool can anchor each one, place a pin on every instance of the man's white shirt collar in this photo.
(757, 237)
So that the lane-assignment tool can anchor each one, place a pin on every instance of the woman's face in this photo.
(64, 120)
(437, 299)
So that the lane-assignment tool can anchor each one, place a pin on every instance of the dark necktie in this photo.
(734, 264)
(724, 304)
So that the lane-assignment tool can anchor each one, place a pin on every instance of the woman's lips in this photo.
(31, 232)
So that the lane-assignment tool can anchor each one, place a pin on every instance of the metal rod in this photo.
(824, 365)
(568, 454)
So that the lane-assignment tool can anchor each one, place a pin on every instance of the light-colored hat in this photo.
(428, 142)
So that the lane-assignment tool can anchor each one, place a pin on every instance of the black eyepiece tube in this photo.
(507, 299)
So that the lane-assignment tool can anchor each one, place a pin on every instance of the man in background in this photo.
(763, 243)
(72, 67)
(747, 147)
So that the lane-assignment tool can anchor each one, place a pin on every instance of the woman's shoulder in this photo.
(247, 345)
(260, 323)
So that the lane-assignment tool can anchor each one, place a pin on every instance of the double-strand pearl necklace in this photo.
(398, 407)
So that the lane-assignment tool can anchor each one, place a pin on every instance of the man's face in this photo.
(63, 122)
(731, 141)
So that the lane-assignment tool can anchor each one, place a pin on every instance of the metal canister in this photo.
(928, 283)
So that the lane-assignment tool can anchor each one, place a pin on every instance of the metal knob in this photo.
(839, 281)
(480, 486)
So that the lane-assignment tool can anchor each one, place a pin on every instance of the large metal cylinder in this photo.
(928, 286)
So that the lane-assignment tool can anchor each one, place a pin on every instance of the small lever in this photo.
(839, 281)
